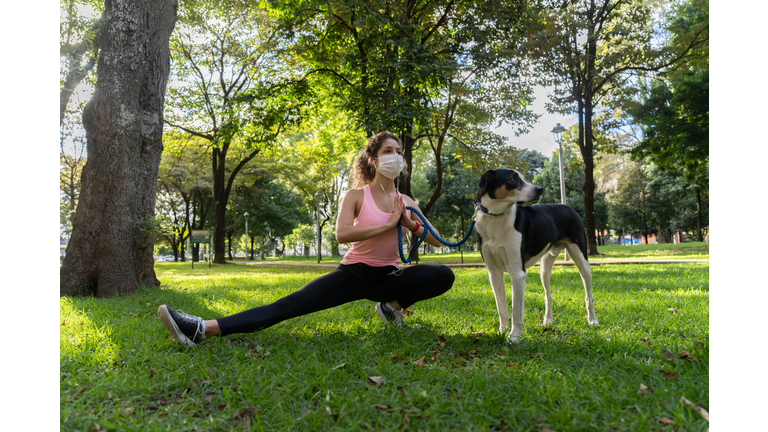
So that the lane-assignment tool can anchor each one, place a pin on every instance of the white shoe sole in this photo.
(380, 313)
(170, 324)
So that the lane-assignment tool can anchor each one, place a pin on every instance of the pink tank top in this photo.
(379, 251)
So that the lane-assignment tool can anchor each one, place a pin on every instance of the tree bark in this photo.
(111, 247)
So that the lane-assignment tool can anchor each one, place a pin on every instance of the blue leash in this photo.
(427, 228)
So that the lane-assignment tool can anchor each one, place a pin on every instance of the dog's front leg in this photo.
(518, 304)
(499, 292)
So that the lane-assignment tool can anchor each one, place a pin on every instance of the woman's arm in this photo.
(409, 223)
(347, 232)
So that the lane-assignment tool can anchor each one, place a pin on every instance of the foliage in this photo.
(586, 50)
(120, 369)
(232, 87)
(72, 159)
(573, 165)
(79, 32)
(301, 238)
(274, 208)
(676, 116)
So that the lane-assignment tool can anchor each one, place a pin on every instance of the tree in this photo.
(588, 48)
(534, 163)
(113, 230)
(274, 209)
(231, 92)
(184, 172)
(386, 59)
(676, 116)
(633, 205)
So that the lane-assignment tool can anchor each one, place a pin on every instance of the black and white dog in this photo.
(514, 236)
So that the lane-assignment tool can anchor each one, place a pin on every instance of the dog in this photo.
(513, 235)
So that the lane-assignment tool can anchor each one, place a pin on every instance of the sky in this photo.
(540, 137)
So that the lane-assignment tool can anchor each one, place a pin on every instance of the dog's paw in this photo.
(594, 322)
(547, 320)
(503, 329)
(513, 339)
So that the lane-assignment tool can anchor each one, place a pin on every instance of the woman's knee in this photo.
(446, 276)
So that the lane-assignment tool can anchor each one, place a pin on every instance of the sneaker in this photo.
(388, 313)
(187, 329)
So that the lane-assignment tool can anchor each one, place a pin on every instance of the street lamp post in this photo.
(557, 132)
(246, 236)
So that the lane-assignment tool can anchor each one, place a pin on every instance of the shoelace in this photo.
(198, 322)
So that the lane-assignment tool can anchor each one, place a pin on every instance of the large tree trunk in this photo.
(111, 247)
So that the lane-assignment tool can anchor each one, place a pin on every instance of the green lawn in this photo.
(121, 370)
(693, 250)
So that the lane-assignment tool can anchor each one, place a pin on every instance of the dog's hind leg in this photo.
(547, 261)
(586, 276)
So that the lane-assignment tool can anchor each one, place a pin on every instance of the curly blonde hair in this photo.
(363, 172)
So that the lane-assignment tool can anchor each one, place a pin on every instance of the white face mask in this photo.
(390, 165)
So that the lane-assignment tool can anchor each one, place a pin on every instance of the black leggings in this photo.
(345, 284)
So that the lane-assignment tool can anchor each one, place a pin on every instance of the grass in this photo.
(120, 369)
(693, 250)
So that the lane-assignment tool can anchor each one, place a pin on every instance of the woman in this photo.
(369, 270)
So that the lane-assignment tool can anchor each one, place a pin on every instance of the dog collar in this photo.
(485, 210)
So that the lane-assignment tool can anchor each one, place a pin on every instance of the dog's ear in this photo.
(489, 177)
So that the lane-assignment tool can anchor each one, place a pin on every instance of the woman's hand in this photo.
(404, 219)
(397, 213)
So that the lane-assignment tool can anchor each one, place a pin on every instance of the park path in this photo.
(480, 265)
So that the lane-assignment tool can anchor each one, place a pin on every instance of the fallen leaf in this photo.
(669, 355)
(381, 407)
(685, 355)
(441, 344)
(335, 417)
(79, 392)
(404, 392)
(673, 310)
(281, 389)
(95, 427)
(473, 354)
(441, 338)
(666, 420)
(406, 312)
(287, 365)
(645, 341)
(701, 410)
(418, 326)
(644, 390)
(435, 354)
(399, 356)
(474, 336)
(375, 380)
(419, 362)
(423, 393)
(209, 397)
(127, 411)
(670, 374)
(339, 366)
(152, 373)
